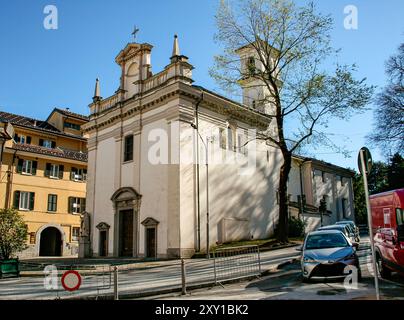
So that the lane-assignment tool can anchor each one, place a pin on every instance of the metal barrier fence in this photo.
(236, 262)
(134, 280)
(96, 280)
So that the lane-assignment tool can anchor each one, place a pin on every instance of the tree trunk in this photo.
(283, 227)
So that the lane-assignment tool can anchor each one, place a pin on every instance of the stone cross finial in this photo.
(135, 31)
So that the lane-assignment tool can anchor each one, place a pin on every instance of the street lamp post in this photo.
(207, 187)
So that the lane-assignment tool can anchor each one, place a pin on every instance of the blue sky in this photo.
(41, 69)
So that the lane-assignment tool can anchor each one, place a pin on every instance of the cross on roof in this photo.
(135, 31)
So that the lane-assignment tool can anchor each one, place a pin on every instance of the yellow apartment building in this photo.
(43, 175)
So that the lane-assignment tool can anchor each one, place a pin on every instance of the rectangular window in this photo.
(75, 233)
(72, 125)
(22, 139)
(342, 181)
(400, 216)
(78, 174)
(128, 148)
(47, 143)
(54, 171)
(27, 167)
(222, 138)
(323, 176)
(77, 205)
(25, 200)
(52, 202)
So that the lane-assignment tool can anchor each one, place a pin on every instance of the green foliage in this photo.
(296, 227)
(383, 177)
(395, 172)
(377, 179)
(13, 233)
(388, 131)
(359, 200)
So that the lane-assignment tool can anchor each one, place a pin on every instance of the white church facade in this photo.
(147, 196)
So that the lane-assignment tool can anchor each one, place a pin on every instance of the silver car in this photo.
(353, 226)
(326, 255)
(344, 228)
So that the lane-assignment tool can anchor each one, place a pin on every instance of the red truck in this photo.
(388, 230)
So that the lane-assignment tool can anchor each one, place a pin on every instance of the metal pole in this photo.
(207, 201)
(116, 296)
(365, 184)
(198, 184)
(214, 266)
(259, 259)
(183, 277)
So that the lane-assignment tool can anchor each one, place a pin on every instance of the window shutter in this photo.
(16, 204)
(61, 169)
(41, 142)
(28, 140)
(16, 138)
(83, 205)
(34, 167)
(70, 209)
(19, 165)
(47, 169)
(53, 144)
(31, 200)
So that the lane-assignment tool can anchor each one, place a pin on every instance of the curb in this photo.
(273, 271)
(151, 293)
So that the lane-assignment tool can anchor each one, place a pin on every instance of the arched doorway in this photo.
(126, 222)
(51, 242)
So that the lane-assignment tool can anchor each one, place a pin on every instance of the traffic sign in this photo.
(71, 280)
(367, 158)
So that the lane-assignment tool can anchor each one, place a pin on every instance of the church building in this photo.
(174, 168)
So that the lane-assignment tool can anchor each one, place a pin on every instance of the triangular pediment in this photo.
(103, 226)
(148, 222)
(130, 50)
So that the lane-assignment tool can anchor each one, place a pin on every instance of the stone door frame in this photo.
(126, 198)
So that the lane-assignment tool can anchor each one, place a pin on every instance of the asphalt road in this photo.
(286, 284)
(153, 277)
(146, 277)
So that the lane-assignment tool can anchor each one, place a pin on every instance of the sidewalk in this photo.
(94, 265)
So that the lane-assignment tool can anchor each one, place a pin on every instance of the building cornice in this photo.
(160, 96)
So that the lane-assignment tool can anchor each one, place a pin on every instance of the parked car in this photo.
(388, 230)
(326, 254)
(345, 229)
(353, 226)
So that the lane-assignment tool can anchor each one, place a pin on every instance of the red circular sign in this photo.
(71, 280)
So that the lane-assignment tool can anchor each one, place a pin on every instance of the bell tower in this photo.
(256, 94)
